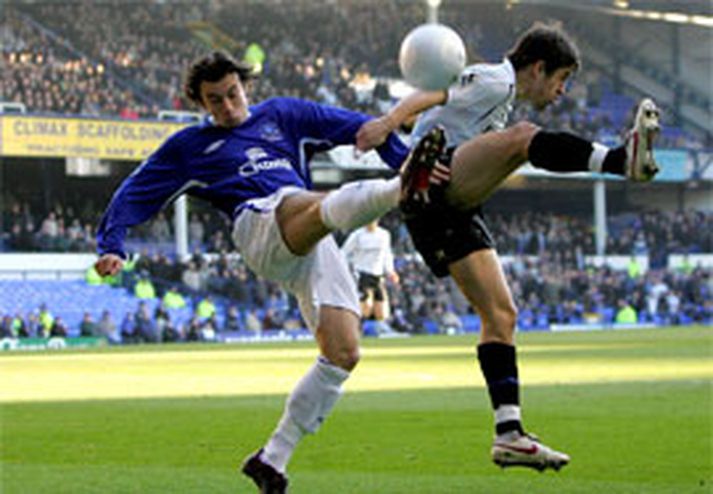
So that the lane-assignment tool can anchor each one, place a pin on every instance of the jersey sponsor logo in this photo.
(257, 163)
(214, 146)
(255, 154)
(270, 131)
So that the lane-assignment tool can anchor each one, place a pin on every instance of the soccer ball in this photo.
(431, 56)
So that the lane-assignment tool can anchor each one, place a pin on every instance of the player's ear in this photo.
(538, 68)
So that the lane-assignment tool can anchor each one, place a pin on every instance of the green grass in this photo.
(632, 408)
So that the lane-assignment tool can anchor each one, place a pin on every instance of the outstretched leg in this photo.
(480, 165)
(306, 218)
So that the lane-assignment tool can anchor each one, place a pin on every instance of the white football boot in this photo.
(515, 449)
(640, 165)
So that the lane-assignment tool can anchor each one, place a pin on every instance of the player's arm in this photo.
(137, 199)
(332, 126)
(389, 268)
(374, 132)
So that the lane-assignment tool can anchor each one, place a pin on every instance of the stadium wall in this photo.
(44, 266)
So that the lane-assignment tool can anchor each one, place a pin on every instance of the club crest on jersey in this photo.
(270, 131)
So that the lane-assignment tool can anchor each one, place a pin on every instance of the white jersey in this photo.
(370, 251)
(479, 102)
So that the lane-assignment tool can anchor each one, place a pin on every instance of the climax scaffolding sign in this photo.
(31, 136)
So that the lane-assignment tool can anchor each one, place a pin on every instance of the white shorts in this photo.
(322, 277)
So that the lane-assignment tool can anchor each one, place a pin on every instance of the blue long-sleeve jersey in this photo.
(227, 167)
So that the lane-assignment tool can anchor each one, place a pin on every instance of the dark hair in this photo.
(546, 42)
(213, 68)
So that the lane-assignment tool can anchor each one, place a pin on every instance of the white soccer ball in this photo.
(432, 56)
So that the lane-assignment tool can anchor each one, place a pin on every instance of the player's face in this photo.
(546, 89)
(225, 100)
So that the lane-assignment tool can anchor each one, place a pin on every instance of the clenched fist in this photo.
(109, 265)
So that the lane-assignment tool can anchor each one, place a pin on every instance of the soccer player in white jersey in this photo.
(252, 163)
(368, 251)
(470, 135)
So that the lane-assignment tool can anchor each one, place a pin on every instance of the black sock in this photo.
(498, 362)
(560, 152)
(615, 161)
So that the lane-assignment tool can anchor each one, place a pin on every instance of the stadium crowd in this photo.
(86, 58)
(545, 264)
(222, 296)
(566, 238)
(100, 59)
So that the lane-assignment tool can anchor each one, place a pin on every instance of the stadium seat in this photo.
(471, 323)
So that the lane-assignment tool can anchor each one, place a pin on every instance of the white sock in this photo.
(596, 159)
(307, 407)
(507, 413)
(357, 203)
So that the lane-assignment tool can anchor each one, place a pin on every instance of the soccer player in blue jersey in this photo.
(450, 231)
(252, 163)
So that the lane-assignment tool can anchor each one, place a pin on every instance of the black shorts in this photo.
(371, 283)
(443, 234)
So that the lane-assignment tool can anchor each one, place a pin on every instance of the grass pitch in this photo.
(632, 408)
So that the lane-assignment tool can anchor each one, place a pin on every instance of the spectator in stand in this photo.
(46, 320)
(193, 332)
(88, 327)
(196, 231)
(34, 328)
(192, 277)
(401, 322)
(165, 329)
(172, 299)
(172, 333)
(210, 328)
(206, 308)
(19, 327)
(272, 321)
(449, 322)
(232, 320)
(6, 327)
(144, 326)
(160, 229)
(626, 313)
(106, 328)
(253, 322)
(59, 328)
(49, 230)
(128, 329)
(144, 288)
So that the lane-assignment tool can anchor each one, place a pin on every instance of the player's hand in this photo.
(440, 174)
(394, 277)
(373, 133)
(109, 265)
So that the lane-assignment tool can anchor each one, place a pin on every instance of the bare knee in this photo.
(345, 358)
(521, 135)
(499, 325)
(338, 336)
